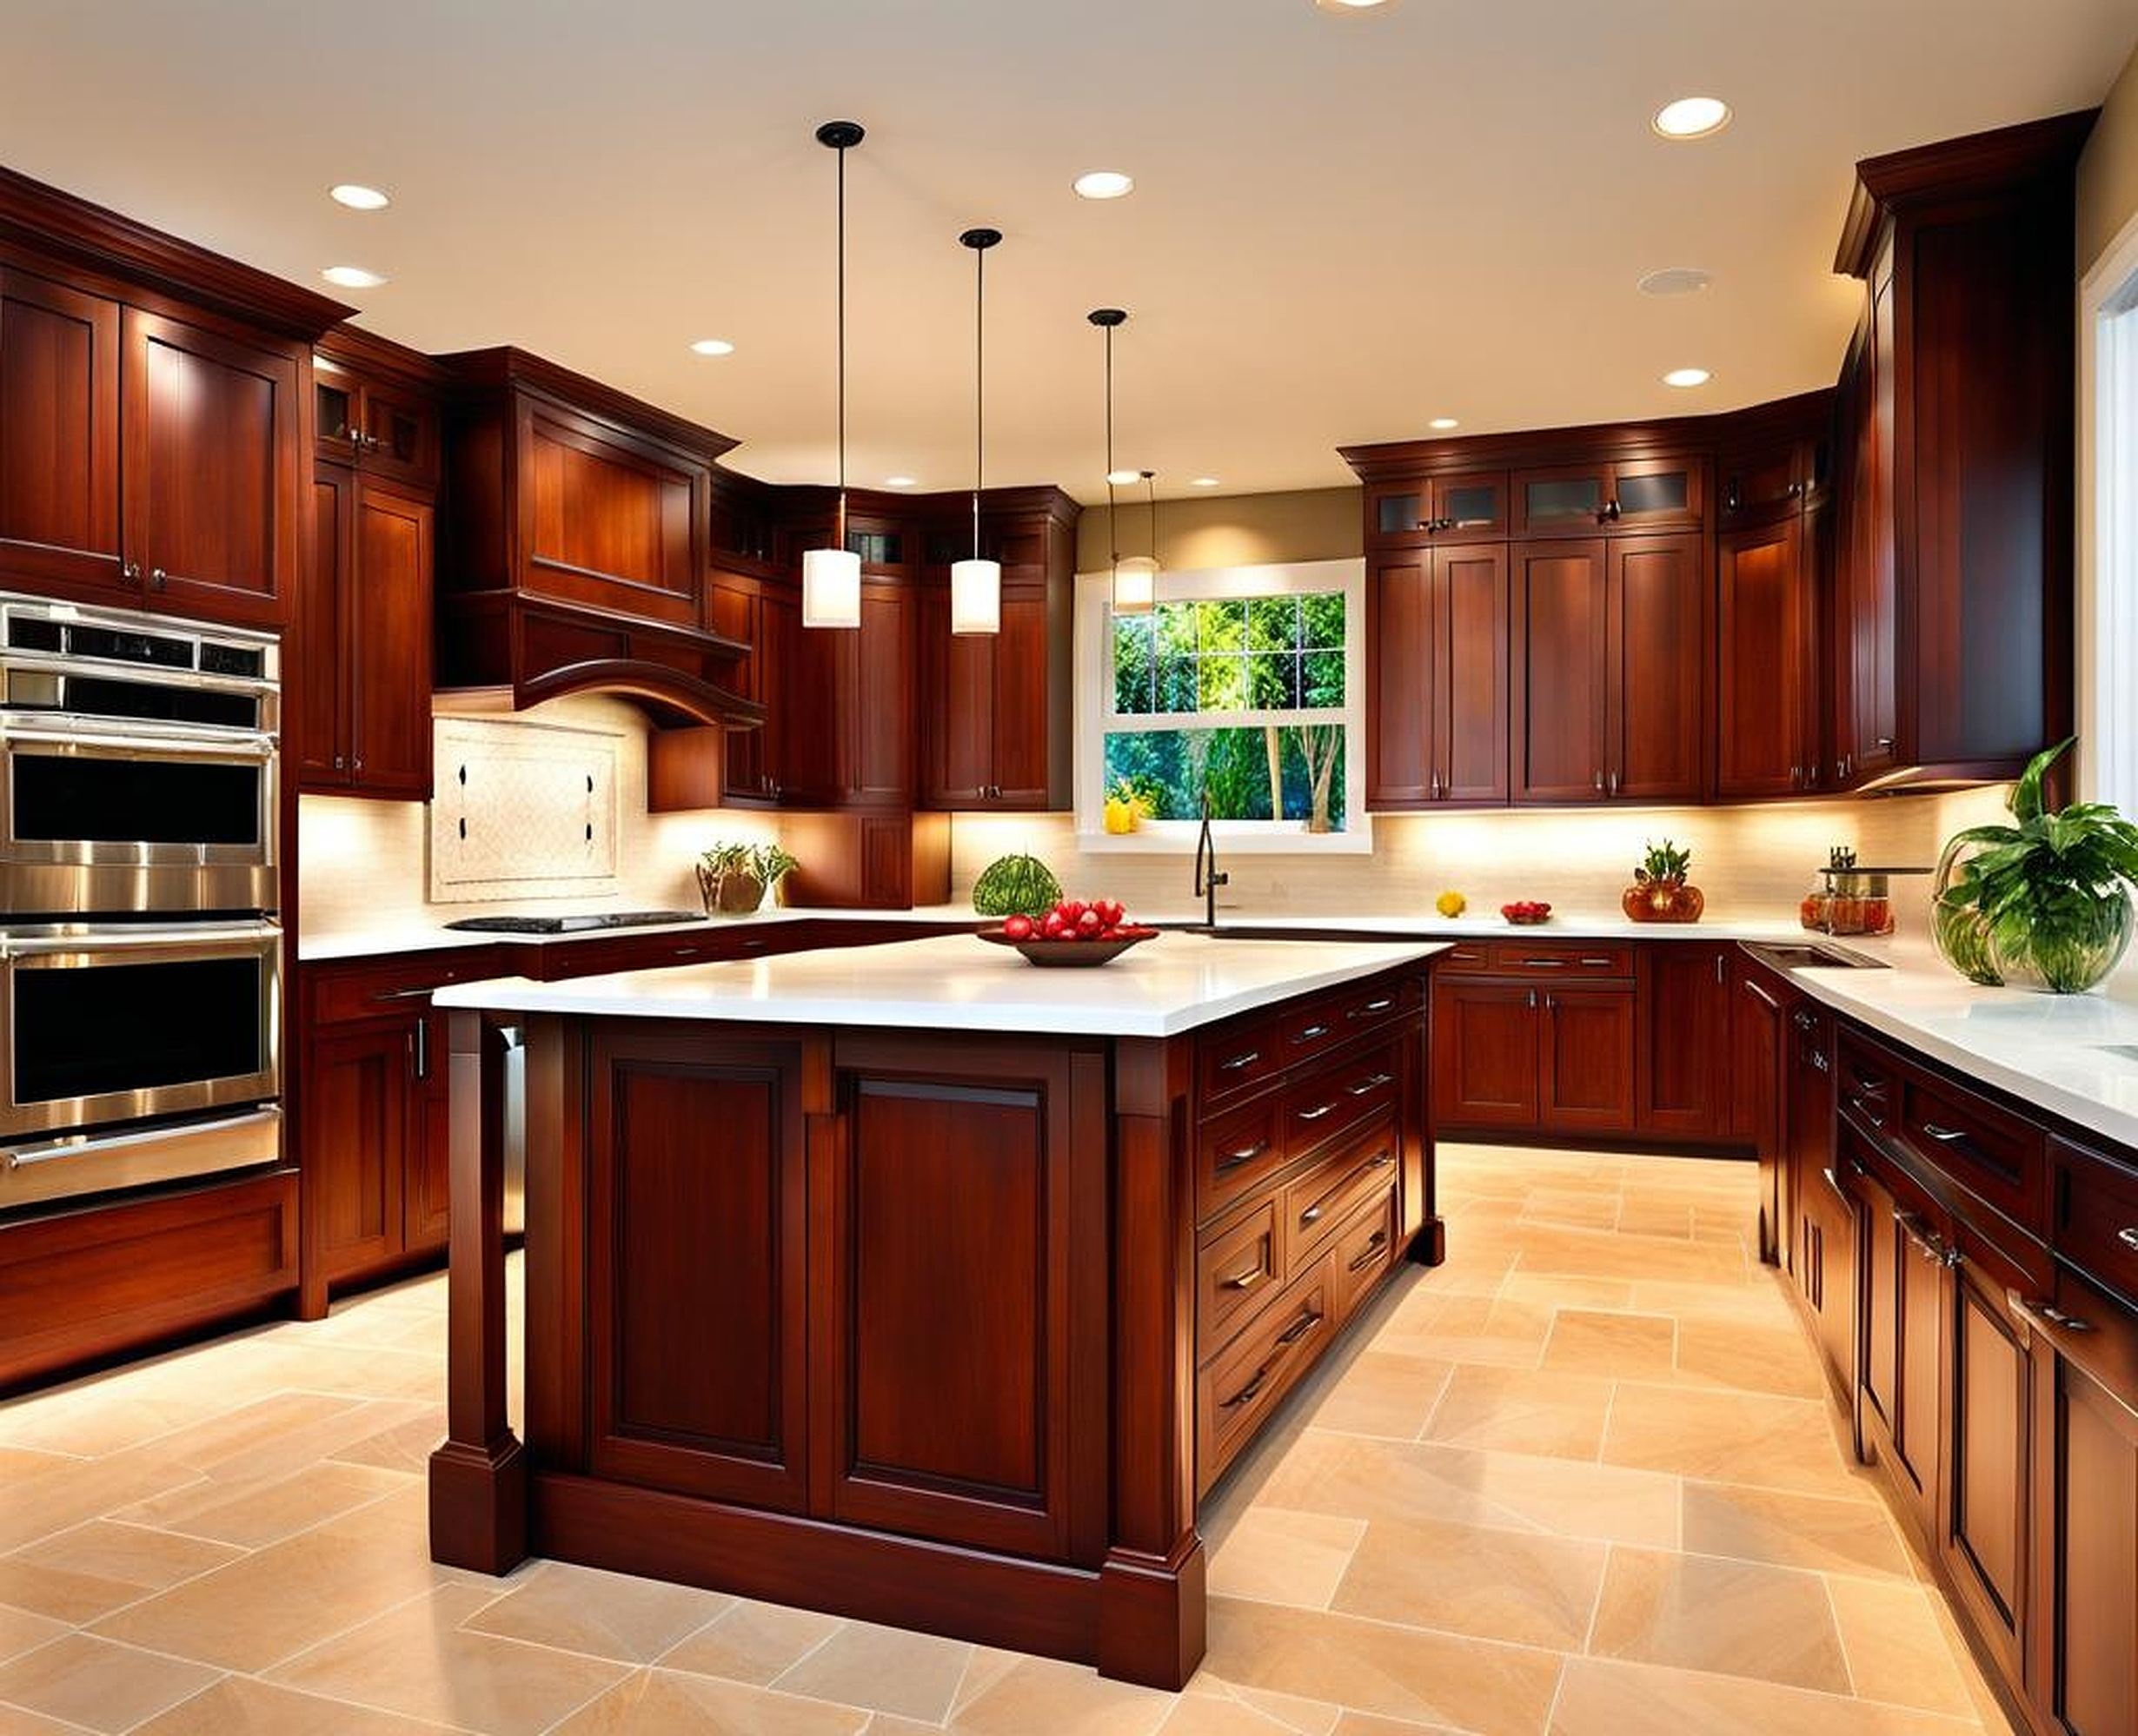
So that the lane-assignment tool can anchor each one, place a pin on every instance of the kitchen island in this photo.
(918, 1284)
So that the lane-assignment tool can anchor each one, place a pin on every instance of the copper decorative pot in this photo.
(1649, 899)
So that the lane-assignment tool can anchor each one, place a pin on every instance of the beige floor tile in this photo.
(1553, 1291)
(266, 1607)
(884, 1669)
(419, 1659)
(1278, 1556)
(1063, 1700)
(1601, 1697)
(1429, 1678)
(752, 1642)
(1567, 1209)
(1514, 1410)
(1896, 1647)
(1634, 1347)
(605, 1615)
(1289, 1712)
(1792, 1530)
(667, 1703)
(1728, 1617)
(1200, 1715)
(96, 1685)
(59, 1499)
(1383, 1392)
(15, 1721)
(404, 1447)
(1751, 1438)
(20, 1629)
(78, 1575)
(240, 1706)
(1459, 1579)
(1655, 1215)
(256, 1511)
(1750, 1358)
(1756, 1297)
(19, 1464)
(1365, 1724)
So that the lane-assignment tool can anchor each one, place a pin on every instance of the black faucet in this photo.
(1207, 878)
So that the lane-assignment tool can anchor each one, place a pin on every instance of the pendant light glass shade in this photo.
(976, 582)
(831, 589)
(832, 576)
(1135, 585)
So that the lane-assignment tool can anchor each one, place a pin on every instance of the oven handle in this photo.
(97, 1145)
(193, 938)
(235, 745)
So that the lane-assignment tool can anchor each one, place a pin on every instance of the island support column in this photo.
(1150, 1593)
(479, 1477)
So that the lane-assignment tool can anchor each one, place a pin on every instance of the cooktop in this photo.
(571, 924)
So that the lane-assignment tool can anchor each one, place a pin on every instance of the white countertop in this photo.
(2054, 1051)
(378, 943)
(1167, 985)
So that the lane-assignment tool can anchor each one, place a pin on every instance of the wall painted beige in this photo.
(2108, 169)
(1231, 530)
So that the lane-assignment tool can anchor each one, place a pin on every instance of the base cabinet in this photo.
(2084, 1656)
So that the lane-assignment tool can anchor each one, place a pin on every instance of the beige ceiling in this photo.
(1343, 225)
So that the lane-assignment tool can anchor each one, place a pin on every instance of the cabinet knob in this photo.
(357, 763)
(158, 579)
(130, 572)
(1885, 741)
(2128, 1238)
(340, 764)
(1613, 783)
(1599, 782)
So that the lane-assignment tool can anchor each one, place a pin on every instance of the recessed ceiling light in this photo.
(898, 482)
(1443, 423)
(358, 197)
(1202, 482)
(713, 347)
(1691, 117)
(1104, 183)
(1122, 478)
(352, 277)
(1348, 5)
(1676, 280)
(1687, 376)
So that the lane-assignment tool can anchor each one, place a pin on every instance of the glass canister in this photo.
(1852, 899)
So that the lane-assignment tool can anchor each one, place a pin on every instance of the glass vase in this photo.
(1959, 931)
(2074, 952)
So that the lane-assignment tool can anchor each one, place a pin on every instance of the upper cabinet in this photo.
(1414, 512)
(369, 421)
(1952, 646)
(59, 438)
(1436, 711)
(1627, 494)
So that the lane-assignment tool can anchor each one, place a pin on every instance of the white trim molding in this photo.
(2106, 648)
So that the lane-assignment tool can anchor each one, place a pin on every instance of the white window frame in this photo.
(1095, 716)
(2107, 528)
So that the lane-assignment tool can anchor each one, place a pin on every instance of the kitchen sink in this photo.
(1806, 955)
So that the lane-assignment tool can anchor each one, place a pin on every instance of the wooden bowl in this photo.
(1071, 954)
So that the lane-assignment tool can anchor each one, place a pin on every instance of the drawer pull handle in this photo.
(1312, 1033)
(1371, 1252)
(1543, 964)
(1380, 1160)
(1317, 1114)
(1376, 1006)
(2128, 1238)
(1311, 1215)
(1240, 1061)
(1247, 1154)
(1927, 1242)
(1299, 1329)
(1372, 1083)
(1246, 1280)
(2055, 1317)
(1599, 964)
(1247, 1392)
(1945, 1135)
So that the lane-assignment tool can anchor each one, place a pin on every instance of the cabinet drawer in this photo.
(1236, 1059)
(1520, 958)
(1986, 1149)
(1331, 1100)
(644, 952)
(1362, 1249)
(1316, 1202)
(1243, 1384)
(1237, 1270)
(2095, 1225)
(344, 995)
(1869, 1085)
(1237, 1152)
(1469, 958)
(1333, 1019)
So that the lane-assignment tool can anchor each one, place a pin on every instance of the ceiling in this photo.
(1343, 225)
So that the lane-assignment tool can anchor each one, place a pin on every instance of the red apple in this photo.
(1018, 927)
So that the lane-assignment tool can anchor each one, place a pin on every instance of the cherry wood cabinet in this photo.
(2082, 1663)
(358, 1086)
(1486, 1048)
(1624, 495)
(369, 420)
(1561, 679)
(1684, 1022)
(1586, 1076)
(1766, 731)
(359, 708)
(994, 735)
(1416, 513)
(1437, 671)
(59, 438)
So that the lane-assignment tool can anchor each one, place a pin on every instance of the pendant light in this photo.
(832, 577)
(976, 585)
(1140, 572)
(1134, 588)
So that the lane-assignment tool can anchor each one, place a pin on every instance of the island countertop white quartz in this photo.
(1173, 984)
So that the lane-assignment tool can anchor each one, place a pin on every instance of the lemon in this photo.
(1450, 903)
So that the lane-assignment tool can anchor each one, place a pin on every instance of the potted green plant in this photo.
(728, 879)
(771, 864)
(1659, 891)
(2044, 903)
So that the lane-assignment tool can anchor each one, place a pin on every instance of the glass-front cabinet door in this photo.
(1633, 494)
(1469, 508)
(1569, 502)
(1656, 493)
(1399, 514)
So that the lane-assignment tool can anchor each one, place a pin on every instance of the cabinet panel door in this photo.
(958, 678)
(957, 1356)
(1684, 1026)
(401, 434)
(426, 1185)
(2089, 1685)
(879, 697)
(356, 1137)
(779, 625)
(1658, 493)
(1560, 672)
(316, 731)
(1400, 683)
(389, 645)
(1024, 700)
(697, 1208)
(212, 459)
(1879, 1247)
(607, 520)
(731, 611)
(1484, 1055)
(815, 715)
(1469, 508)
(1587, 1071)
(1470, 672)
(1985, 1538)
(1764, 661)
(59, 436)
(1657, 615)
(1756, 1043)
(1871, 629)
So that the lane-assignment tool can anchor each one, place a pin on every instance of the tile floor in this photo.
(1580, 1480)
